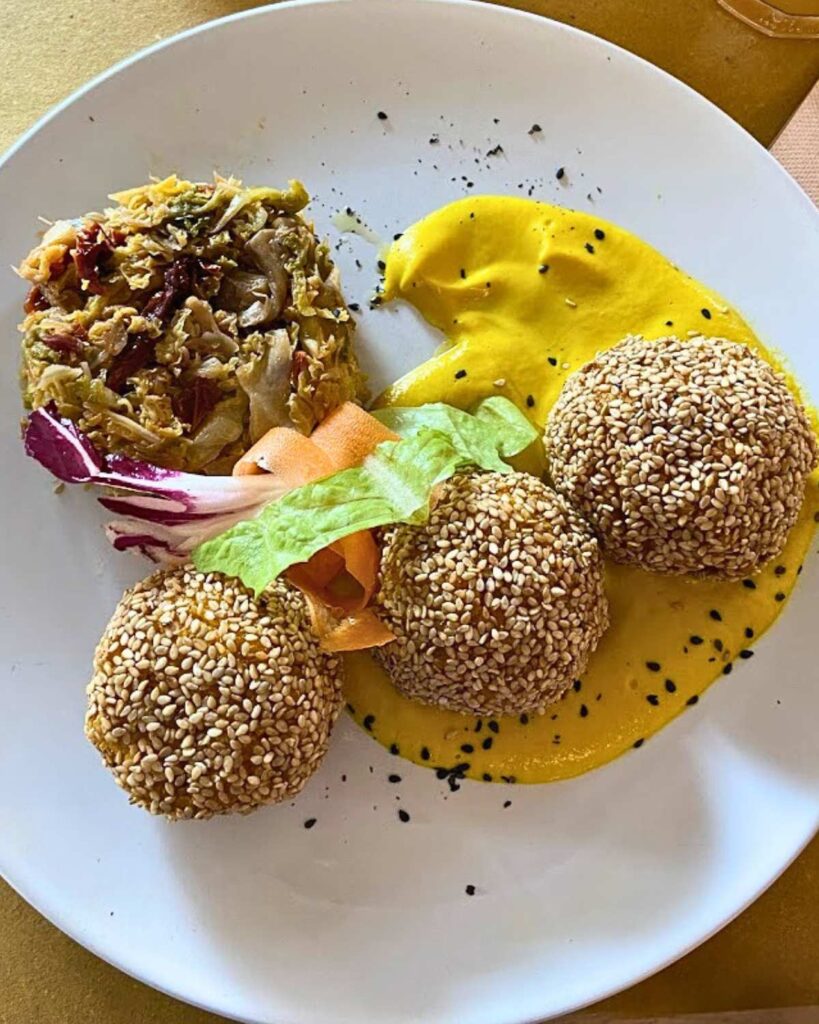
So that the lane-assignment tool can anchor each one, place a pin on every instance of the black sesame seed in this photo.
(584, 711)
(434, 140)
(718, 645)
(816, 517)
(779, 596)
(487, 744)
(463, 274)
(653, 699)
(530, 401)
(403, 815)
(780, 570)
(507, 803)
(394, 749)
(397, 235)
(692, 700)
(671, 686)
(695, 640)
(589, 247)
(535, 129)
(351, 709)
(748, 632)
(745, 653)
(424, 753)
(381, 115)
(599, 234)
(577, 685)
(495, 150)
(393, 778)
(494, 727)
(486, 777)
(653, 666)
(560, 173)
(543, 268)
(460, 374)
(706, 313)
(669, 323)
(479, 725)
(727, 669)
(354, 306)
(509, 778)
(441, 773)
(467, 748)
(310, 823)
(470, 890)
(749, 584)
(715, 615)
(368, 722)
(638, 743)
(551, 361)
(382, 265)
(524, 719)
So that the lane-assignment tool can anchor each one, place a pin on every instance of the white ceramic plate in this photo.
(583, 887)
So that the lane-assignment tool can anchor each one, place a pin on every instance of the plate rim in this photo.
(54, 915)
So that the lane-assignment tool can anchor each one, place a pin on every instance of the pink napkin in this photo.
(797, 148)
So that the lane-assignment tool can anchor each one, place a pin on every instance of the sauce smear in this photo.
(527, 293)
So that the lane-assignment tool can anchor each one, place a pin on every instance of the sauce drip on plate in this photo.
(526, 293)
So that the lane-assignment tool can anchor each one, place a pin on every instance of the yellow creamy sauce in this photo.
(526, 293)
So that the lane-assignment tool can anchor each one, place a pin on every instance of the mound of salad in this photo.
(186, 321)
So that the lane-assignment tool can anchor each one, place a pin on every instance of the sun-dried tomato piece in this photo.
(68, 342)
(35, 300)
(91, 251)
(193, 404)
(177, 285)
(138, 350)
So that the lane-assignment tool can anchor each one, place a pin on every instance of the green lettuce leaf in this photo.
(496, 427)
(393, 485)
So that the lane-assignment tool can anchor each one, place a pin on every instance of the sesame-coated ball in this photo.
(496, 602)
(205, 700)
(685, 456)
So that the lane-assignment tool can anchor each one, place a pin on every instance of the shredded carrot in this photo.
(340, 580)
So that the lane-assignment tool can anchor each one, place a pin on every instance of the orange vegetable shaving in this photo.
(348, 435)
(339, 581)
(353, 633)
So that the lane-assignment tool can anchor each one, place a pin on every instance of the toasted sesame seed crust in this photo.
(205, 700)
(496, 602)
(686, 457)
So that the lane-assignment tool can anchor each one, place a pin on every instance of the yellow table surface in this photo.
(769, 957)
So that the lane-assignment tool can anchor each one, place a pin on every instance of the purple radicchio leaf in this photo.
(165, 513)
